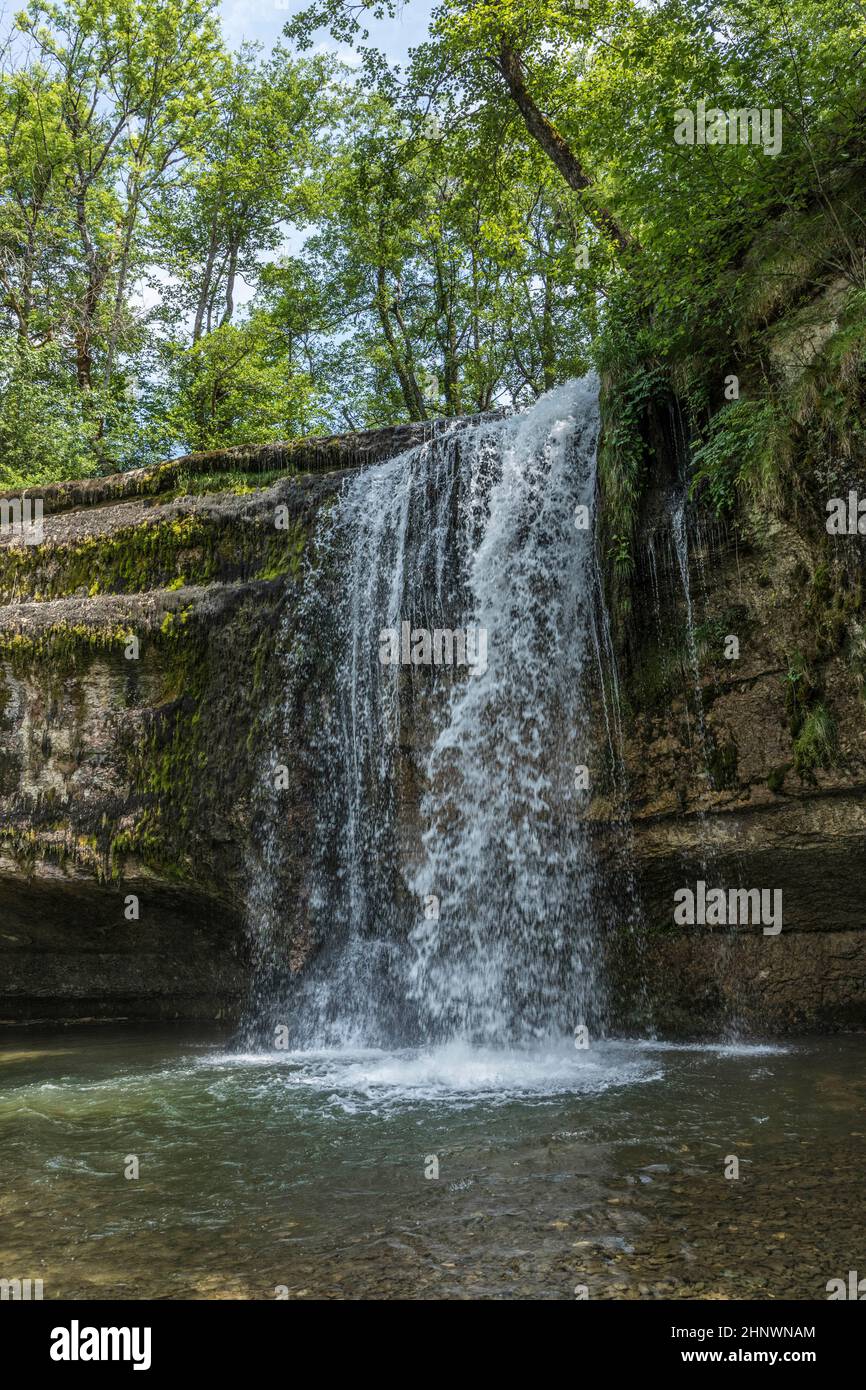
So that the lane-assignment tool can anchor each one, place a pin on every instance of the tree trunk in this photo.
(448, 339)
(120, 291)
(204, 291)
(548, 355)
(230, 285)
(406, 377)
(556, 148)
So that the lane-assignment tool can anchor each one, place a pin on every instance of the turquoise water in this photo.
(305, 1173)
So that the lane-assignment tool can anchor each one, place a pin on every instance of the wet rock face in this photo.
(137, 669)
(69, 952)
(746, 764)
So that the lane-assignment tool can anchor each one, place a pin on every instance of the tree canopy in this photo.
(201, 247)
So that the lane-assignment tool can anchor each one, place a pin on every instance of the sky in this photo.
(263, 20)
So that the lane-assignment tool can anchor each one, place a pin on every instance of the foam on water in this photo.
(461, 1073)
(455, 1072)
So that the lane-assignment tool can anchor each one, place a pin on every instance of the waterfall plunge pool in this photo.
(307, 1172)
(169, 1164)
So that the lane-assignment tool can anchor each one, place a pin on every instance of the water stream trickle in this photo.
(679, 531)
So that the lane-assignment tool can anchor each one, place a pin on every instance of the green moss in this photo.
(195, 753)
(815, 744)
(722, 763)
(239, 470)
(166, 760)
(712, 632)
(62, 647)
(201, 693)
(160, 764)
(285, 554)
(801, 693)
(658, 674)
(834, 599)
(821, 586)
(633, 390)
(27, 844)
(240, 481)
(190, 550)
(776, 778)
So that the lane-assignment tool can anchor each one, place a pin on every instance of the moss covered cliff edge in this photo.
(137, 654)
(731, 473)
(138, 641)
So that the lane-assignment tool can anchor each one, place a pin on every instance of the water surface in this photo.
(306, 1172)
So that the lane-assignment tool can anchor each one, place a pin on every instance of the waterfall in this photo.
(452, 889)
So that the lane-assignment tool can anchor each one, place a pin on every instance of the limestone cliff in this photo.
(740, 636)
(138, 677)
(137, 650)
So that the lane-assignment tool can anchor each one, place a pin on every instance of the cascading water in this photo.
(452, 893)
(679, 531)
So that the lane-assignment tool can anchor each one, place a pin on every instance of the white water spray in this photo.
(453, 886)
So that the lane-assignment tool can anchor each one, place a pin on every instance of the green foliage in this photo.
(813, 729)
(801, 692)
(200, 248)
(46, 434)
(738, 454)
(634, 379)
(815, 744)
(234, 386)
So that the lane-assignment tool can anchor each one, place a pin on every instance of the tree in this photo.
(252, 173)
(93, 123)
(453, 268)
